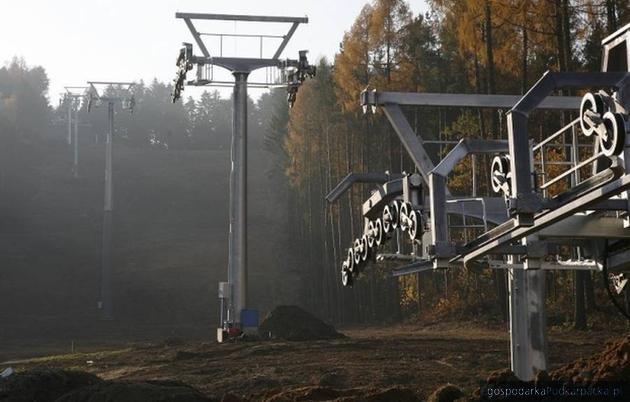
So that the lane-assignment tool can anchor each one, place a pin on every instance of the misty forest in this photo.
(171, 178)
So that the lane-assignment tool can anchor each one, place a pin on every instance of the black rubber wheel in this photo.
(357, 253)
(371, 234)
(615, 138)
(395, 210)
(594, 103)
(365, 248)
(499, 169)
(413, 226)
(405, 209)
(350, 260)
(378, 237)
(387, 219)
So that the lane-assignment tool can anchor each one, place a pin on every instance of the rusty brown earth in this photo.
(369, 361)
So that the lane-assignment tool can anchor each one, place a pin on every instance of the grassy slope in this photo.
(170, 247)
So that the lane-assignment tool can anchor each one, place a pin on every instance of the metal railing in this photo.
(573, 173)
(465, 226)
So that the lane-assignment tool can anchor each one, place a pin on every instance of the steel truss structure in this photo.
(528, 227)
(113, 93)
(233, 294)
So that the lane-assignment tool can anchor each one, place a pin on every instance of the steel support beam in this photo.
(413, 268)
(465, 147)
(108, 209)
(409, 139)
(352, 178)
(443, 250)
(581, 203)
(236, 17)
(241, 64)
(237, 263)
(374, 98)
(69, 137)
(524, 200)
(286, 40)
(197, 37)
(528, 339)
(75, 139)
(591, 226)
(382, 195)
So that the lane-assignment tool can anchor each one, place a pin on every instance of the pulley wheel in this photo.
(395, 210)
(349, 262)
(413, 224)
(595, 104)
(405, 208)
(357, 254)
(365, 249)
(615, 139)
(499, 170)
(378, 236)
(370, 234)
(387, 219)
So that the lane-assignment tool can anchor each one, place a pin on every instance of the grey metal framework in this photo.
(294, 72)
(118, 92)
(74, 96)
(521, 229)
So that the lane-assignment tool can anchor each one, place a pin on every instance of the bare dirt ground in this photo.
(420, 358)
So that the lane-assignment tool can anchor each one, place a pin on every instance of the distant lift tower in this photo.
(73, 97)
(111, 93)
(292, 74)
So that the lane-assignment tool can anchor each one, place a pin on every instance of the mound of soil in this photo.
(446, 393)
(54, 385)
(122, 391)
(43, 385)
(612, 364)
(292, 323)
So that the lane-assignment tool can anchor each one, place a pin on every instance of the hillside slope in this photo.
(169, 251)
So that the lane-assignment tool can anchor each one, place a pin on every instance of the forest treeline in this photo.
(29, 115)
(459, 46)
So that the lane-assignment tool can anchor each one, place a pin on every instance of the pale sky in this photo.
(127, 40)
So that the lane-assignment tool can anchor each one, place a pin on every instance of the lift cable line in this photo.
(291, 74)
(73, 98)
(531, 222)
(112, 93)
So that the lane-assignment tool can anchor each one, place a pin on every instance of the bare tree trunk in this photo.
(349, 169)
(611, 16)
(558, 31)
(419, 292)
(498, 274)
(490, 62)
(566, 29)
(524, 85)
